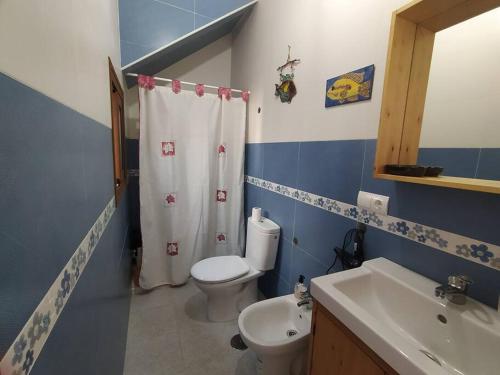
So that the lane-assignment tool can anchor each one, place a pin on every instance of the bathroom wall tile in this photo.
(133, 51)
(271, 285)
(460, 162)
(489, 164)
(152, 23)
(319, 231)
(463, 212)
(42, 158)
(433, 264)
(284, 260)
(254, 163)
(89, 335)
(56, 178)
(305, 264)
(253, 198)
(374, 185)
(217, 8)
(97, 168)
(279, 209)
(281, 163)
(184, 4)
(200, 21)
(331, 169)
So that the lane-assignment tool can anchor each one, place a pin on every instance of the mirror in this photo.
(461, 119)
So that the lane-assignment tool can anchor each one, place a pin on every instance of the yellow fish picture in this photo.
(350, 87)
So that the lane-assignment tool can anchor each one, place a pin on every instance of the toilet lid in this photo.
(219, 269)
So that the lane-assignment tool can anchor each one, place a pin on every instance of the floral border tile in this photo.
(25, 350)
(467, 248)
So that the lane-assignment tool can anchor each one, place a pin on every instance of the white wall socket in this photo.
(373, 202)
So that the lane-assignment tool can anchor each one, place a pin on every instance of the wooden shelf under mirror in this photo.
(411, 43)
(485, 186)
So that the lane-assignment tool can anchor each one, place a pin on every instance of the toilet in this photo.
(230, 282)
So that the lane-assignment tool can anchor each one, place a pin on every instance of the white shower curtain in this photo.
(191, 181)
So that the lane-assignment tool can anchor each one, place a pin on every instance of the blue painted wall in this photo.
(146, 25)
(55, 179)
(339, 169)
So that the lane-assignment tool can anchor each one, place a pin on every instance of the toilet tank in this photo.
(262, 243)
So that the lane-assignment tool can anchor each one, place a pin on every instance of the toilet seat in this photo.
(220, 269)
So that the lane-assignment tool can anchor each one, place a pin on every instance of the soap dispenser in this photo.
(300, 289)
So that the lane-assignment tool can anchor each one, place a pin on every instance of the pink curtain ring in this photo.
(176, 86)
(199, 89)
(224, 92)
(245, 95)
(146, 82)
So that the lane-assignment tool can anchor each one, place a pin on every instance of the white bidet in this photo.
(277, 330)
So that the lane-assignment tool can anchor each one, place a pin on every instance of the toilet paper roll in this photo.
(256, 214)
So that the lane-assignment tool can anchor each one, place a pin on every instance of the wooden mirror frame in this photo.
(409, 56)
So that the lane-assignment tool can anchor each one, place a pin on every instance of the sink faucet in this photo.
(306, 299)
(456, 289)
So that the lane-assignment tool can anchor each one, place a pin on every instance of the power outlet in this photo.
(373, 202)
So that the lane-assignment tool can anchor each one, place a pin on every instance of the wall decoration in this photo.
(350, 87)
(286, 89)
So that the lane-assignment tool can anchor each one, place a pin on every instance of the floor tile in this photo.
(169, 334)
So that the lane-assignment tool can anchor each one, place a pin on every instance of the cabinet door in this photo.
(334, 353)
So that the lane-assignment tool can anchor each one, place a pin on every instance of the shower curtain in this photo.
(191, 159)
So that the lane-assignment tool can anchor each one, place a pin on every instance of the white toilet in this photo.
(230, 282)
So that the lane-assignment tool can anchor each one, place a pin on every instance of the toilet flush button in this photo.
(373, 202)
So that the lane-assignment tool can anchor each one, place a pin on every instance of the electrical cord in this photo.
(348, 238)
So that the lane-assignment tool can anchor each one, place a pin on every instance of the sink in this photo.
(394, 311)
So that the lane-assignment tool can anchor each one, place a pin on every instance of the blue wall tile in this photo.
(56, 179)
(332, 169)
(281, 163)
(305, 264)
(271, 285)
(217, 8)
(489, 164)
(283, 266)
(90, 334)
(254, 159)
(152, 24)
(200, 21)
(319, 231)
(279, 209)
(460, 162)
(133, 51)
(253, 197)
(146, 25)
(184, 4)
(325, 173)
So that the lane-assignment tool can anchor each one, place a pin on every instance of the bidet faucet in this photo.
(306, 299)
(456, 289)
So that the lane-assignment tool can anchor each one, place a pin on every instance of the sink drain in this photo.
(291, 332)
(237, 343)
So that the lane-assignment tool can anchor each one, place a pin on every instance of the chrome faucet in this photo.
(456, 289)
(306, 299)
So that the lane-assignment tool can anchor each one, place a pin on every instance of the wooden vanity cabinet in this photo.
(335, 350)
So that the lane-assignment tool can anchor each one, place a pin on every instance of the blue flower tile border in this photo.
(467, 248)
(28, 345)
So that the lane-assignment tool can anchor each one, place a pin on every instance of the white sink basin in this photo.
(394, 311)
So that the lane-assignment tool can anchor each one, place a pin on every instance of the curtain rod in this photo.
(183, 82)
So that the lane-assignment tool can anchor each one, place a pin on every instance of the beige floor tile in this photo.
(169, 334)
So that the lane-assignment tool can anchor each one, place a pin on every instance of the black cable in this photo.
(348, 238)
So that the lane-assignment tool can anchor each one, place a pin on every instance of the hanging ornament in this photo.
(286, 89)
